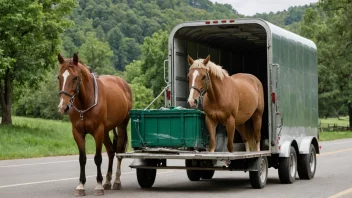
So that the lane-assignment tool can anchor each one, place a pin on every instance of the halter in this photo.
(72, 97)
(201, 92)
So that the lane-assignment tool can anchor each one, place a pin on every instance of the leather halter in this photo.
(201, 92)
(72, 97)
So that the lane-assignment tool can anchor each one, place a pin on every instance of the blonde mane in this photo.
(217, 70)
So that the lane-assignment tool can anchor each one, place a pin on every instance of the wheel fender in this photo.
(285, 148)
(305, 144)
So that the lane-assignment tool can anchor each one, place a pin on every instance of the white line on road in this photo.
(66, 179)
(340, 194)
(56, 162)
(48, 181)
(334, 152)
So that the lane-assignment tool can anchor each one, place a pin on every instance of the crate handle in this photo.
(139, 134)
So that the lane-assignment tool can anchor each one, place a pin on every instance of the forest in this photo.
(129, 39)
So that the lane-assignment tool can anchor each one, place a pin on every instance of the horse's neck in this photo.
(86, 93)
(216, 88)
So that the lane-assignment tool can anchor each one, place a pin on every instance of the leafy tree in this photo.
(29, 40)
(128, 51)
(330, 28)
(154, 52)
(340, 34)
(97, 55)
(142, 96)
(42, 101)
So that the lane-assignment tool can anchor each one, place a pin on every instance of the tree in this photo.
(29, 40)
(340, 26)
(97, 55)
(331, 29)
(42, 101)
(154, 52)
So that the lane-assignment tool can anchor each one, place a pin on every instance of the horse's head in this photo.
(69, 81)
(198, 78)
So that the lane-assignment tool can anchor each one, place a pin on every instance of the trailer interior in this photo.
(236, 47)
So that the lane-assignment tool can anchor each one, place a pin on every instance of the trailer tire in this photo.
(307, 164)
(258, 178)
(288, 167)
(146, 177)
(193, 175)
(207, 174)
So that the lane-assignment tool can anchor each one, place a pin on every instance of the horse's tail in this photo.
(250, 135)
(114, 142)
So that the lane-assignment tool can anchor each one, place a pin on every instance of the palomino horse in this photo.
(231, 101)
(96, 106)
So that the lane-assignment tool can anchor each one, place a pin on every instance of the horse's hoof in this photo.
(80, 192)
(99, 192)
(117, 186)
(107, 186)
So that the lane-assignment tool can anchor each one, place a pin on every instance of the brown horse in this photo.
(96, 106)
(231, 101)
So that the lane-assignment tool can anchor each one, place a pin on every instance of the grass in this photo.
(31, 137)
(331, 121)
(325, 136)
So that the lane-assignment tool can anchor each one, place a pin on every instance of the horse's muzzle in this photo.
(193, 104)
(64, 110)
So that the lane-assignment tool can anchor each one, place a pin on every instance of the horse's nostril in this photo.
(67, 108)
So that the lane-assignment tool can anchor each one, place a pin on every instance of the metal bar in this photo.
(200, 155)
(188, 168)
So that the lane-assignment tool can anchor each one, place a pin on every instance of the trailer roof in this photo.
(244, 32)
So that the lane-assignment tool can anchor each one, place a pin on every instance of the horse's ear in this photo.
(205, 62)
(190, 60)
(75, 58)
(61, 60)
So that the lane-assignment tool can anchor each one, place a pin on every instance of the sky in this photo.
(251, 7)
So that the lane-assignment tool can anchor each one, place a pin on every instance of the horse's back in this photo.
(118, 96)
(248, 81)
(251, 94)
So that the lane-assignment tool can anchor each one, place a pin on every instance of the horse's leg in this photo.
(211, 125)
(242, 130)
(257, 125)
(111, 152)
(80, 141)
(99, 138)
(121, 148)
(230, 127)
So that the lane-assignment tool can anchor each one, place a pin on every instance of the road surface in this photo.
(58, 177)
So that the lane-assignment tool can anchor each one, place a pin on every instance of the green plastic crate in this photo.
(172, 128)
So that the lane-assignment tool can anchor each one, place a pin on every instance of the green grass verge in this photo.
(331, 121)
(31, 137)
(325, 136)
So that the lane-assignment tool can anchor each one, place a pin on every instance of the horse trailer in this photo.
(286, 65)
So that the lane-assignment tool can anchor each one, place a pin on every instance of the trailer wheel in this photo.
(307, 164)
(193, 175)
(258, 178)
(146, 177)
(207, 174)
(288, 167)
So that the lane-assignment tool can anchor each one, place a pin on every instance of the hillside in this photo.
(124, 24)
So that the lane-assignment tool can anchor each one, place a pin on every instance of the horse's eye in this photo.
(75, 78)
(203, 78)
(58, 77)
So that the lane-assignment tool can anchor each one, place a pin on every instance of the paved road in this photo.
(58, 177)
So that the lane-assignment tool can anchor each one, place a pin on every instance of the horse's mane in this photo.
(214, 69)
